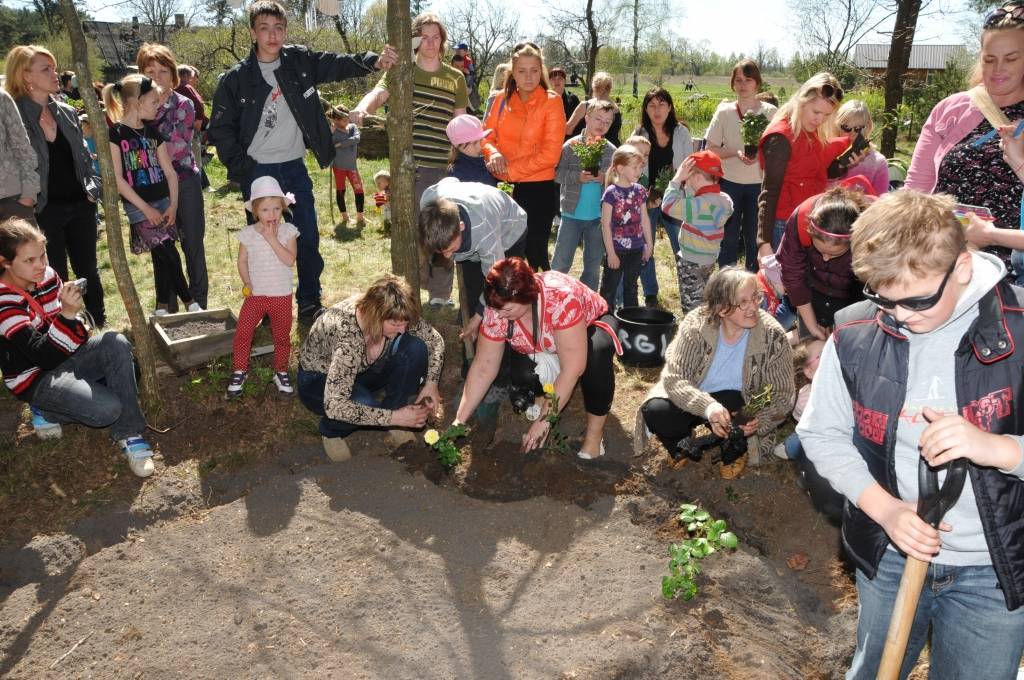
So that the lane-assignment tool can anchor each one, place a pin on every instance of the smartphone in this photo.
(858, 144)
(81, 284)
(960, 211)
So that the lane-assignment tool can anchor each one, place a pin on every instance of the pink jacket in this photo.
(875, 168)
(950, 121)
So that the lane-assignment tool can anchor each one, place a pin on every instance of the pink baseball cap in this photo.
(465, 129)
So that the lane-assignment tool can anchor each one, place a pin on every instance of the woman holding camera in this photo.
(560, 333)
(726, 351)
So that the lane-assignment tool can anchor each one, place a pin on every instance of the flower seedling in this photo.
(448, 453)
(589, 153)
(706, 535)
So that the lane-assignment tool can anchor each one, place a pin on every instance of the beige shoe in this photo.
(337, 449)
(400, 437)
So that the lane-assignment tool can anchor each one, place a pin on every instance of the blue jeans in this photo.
(972, 633)
(785, 313)
(778, 231)
(743, 221)
(794, 450)
(95, 386)
(399, 376)
(1017, 260)
(648, 274)
(570, 232)
(293, 177)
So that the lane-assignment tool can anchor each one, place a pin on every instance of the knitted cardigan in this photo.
(768, 360)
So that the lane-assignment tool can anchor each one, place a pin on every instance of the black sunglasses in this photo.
(1014, 11)
(831, 92)
(521, 45)
(852, 128)
(911, 304)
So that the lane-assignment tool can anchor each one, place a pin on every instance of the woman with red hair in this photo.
(560, 333)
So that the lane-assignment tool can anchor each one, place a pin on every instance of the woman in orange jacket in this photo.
(527, 129)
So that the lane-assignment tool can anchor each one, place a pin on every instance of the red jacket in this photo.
(528, 134)
(807, 170)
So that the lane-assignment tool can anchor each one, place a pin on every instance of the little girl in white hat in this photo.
(265, 260)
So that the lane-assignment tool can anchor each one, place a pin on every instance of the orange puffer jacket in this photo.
(529, 134)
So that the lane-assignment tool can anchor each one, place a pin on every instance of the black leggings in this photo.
(360, 200)
(669, 423)
(540, 202)
(171, 279)
(598, 379)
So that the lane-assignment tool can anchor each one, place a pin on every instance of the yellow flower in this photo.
(431, 437)
(549, 388)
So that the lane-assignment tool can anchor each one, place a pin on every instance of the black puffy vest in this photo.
(989, 387)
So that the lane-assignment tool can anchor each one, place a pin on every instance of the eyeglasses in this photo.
(852, 128)
(753, 302)
(828, 91)
(1012, 10)
(911, 304)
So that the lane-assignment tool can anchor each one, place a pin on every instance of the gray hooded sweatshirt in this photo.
(826, 427)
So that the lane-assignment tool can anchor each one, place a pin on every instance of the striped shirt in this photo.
(703, 215)
(34, 337)
(435, 96)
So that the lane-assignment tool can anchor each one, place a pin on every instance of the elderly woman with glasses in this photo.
(958, 153)
(726, 352)
(798, 157)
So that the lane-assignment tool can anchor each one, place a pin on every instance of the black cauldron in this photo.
(645, 333)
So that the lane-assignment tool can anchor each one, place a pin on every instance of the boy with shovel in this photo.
(930, 366)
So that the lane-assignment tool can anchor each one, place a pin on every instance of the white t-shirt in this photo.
(278, 138)
(268, 275)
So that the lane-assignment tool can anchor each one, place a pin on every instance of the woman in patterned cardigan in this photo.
(365, 360)
(726, 351)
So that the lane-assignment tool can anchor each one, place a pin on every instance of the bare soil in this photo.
(192, 329)
(250, 555)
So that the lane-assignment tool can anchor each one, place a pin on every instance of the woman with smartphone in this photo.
(854, 119)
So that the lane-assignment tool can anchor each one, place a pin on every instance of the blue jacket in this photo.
(470, 169)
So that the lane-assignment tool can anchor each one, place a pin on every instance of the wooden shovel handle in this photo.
(903, 611)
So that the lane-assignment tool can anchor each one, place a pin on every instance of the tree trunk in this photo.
(899, 61)
(636, 49)
(405, 259)
(593, 47)
(145, 351)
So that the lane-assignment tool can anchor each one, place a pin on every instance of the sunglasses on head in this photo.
(1014, 11)
(911, 304)
(831, 92)
(521, 45)
(852, 128)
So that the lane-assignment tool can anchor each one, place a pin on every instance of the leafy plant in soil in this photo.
(705, 535)
(589, 153)
(448, 453)
(752, 127)
(660, 183)
(556, 441)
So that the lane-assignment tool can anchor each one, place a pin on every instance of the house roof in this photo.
(921, 56)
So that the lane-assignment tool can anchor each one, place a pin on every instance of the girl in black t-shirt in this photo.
(147, 182)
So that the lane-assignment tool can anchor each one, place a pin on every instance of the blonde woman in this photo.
(797, 156)
(501, 72)
(854, 118)
(364, 345)
(601, 91)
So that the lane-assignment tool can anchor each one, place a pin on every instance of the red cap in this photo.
(709, 162)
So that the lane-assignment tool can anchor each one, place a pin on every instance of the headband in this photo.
(829, 234)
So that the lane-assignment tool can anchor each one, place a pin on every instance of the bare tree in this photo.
(647, 14)
(832, 30)
(583, 30)
(489, 27)
(157, 13)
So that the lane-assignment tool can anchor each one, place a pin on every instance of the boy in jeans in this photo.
(580, 198)
(929, 366)
(695, 197)
(266, 112)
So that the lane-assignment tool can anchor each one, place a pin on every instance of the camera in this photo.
(732, 446)
(81, 284)
(522, 397)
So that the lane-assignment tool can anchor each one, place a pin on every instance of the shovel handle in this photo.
(914, 573)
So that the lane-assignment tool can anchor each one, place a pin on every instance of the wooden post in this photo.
(899, 59)
(145, 351)
(405, 260)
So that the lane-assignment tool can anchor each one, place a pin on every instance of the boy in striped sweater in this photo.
(48, 359)
(695, 198)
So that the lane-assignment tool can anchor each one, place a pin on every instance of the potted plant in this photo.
(752, 127)
(589, 153)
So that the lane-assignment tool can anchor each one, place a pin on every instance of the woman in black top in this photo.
(69, 185)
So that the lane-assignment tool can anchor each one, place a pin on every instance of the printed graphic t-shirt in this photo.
(627, 205)
(435, 96)
(278, 139)
(139, 164)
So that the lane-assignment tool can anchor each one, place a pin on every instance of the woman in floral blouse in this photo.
(360, 347)
(175, 119)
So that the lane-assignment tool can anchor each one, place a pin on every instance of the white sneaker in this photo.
(44, 428)
(283, 382)
(160, 311)
(194, 307)
(440, 302)
(139, 455)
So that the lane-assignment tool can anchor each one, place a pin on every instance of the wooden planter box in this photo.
(194, 351)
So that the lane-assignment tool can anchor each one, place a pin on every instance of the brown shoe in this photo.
(735, 469)
(337, 449)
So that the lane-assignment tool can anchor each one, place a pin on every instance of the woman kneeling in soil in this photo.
(559, 329)
(48, 358)
(365, 360)
(726, 351)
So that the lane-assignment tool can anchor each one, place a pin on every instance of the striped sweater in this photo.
(34, 337)
(703, 214)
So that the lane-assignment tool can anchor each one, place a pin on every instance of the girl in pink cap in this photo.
(466, 161)
(266, 256)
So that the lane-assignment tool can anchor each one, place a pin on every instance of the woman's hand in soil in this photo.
(71, 302)
(719, 419)
(409, 416)
(536, 435)
(433, 397)
(949, 437)
(613, 260)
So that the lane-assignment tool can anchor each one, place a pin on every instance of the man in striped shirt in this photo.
(439, 94)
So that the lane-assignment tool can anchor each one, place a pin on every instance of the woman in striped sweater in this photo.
(49, 360)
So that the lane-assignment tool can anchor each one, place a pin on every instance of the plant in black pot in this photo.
(589, 154)
(752, 127)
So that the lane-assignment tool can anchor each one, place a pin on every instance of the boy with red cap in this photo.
(695, 197)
